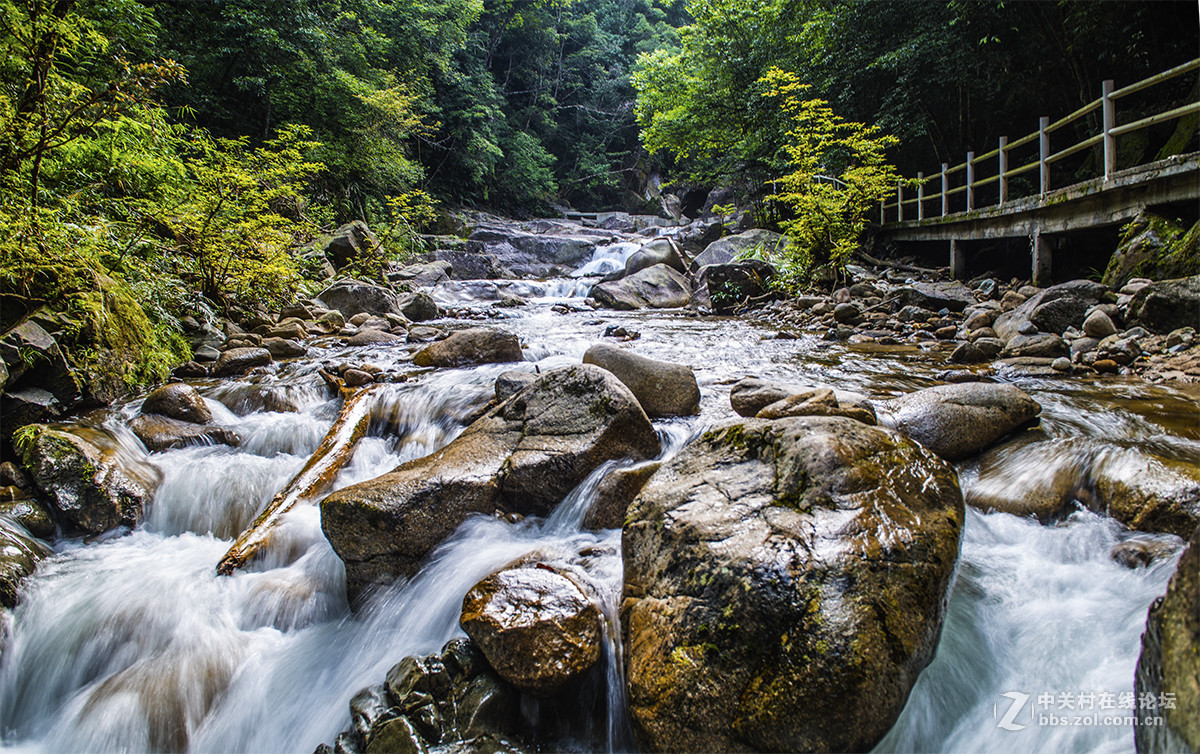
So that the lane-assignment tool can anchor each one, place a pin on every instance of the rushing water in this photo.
(132, 642)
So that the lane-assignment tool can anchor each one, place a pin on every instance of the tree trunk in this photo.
(313, 480)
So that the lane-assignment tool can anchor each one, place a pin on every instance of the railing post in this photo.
(882, 212)
(970, 181)
(1003, 170)
(920, 196)
(1044, 152)
(945, 188)
(1109, 111)
(899, 202)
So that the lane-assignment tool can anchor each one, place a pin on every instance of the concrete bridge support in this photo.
(1040, 247)
(958, 259)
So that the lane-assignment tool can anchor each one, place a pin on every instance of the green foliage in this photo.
(838, 172)
(228, 228)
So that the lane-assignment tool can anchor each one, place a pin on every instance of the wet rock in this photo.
(189, 370)
(178, 401)
(957, 421)
(914, 314)
(519, 253)
(1061, 364)
(967, 353)
(1052, 310)
(1098, 325)
(1031, 477)
(1042, 345)
(331, 321)
(1011, 300)
(41, 384)
(292, 329)
(206, 353)
(351, 297)
(816, 402)
(1153, 247)
(730, 248)
(936, 296)
(465, 265)
(524, 455)
(662, 387)
(19, 555)
(774, 566)
(614, 494)
(350, 242)
(658, 251)
(1164, 306)
(93, 481)
(425, 334)
(1141, 550)
(419, 307)
(1169, 662)
(240, 360)
(284, 349)
(161, 433)
(478, 345)
(736, 284)
(1148, 493)
(369, 337)
(656, 287)
(30, 514)
(428, 274)
(512, 382)
(847, 314)
(538, 630)
(357, 377)
(750, 395)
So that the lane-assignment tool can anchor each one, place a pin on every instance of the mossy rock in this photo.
(1156, 248)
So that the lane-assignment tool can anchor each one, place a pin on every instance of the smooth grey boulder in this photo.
(751, 395)
(1042, 345)
(658, 251)
(519, 253)
(663, 388)
(657, 287)
(92, 480)
(352, 297)
(957, 421)
(160, 433)
(464, 265)
(785, 583)
(238, 361)
(524, 455)
(1052, 310)
(760, 242)
(936, 296)
(418, 307)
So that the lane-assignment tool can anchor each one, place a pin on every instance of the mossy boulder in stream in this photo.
(524, 455)
(785, 583)
(19, 556)
(93, 480)
(1170, 661)
(1154, 247)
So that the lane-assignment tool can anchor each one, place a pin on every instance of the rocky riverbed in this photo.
(589, 509)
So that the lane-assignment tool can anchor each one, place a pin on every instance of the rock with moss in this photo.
(785, 583)
(536, 627)
(1156, 248)
(94, 481)
(523, 456)
(445, 702)
(1170, 662)
(178, 401)
(41, 385)
(31, 514)
(20, 552)
(1147, 492)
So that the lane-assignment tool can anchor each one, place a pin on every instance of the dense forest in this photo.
(163, 157)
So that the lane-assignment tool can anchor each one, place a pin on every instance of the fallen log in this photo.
(865, 257)
(313, 480)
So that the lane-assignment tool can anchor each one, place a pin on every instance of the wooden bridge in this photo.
(980, 208)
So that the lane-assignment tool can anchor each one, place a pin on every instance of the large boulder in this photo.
(518, 253)
(762, 243)
(936, 296)
(352, 297)
(1052, 310)
(1167, 305)
(524, 455)
(418, 307)
(41, 385)
(734, 284)
(536, 627)
(1147, 492)
(19, 555)
(1170, 662)
(238, 361)
(658, 251)
(1155, 248)
(957, 421)
(477, 345)
(178, 401)
(93, 480)
(662, 387)
(352, 241)
(657, 287)
(160, 433)
(464, 265)
(785, 584)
